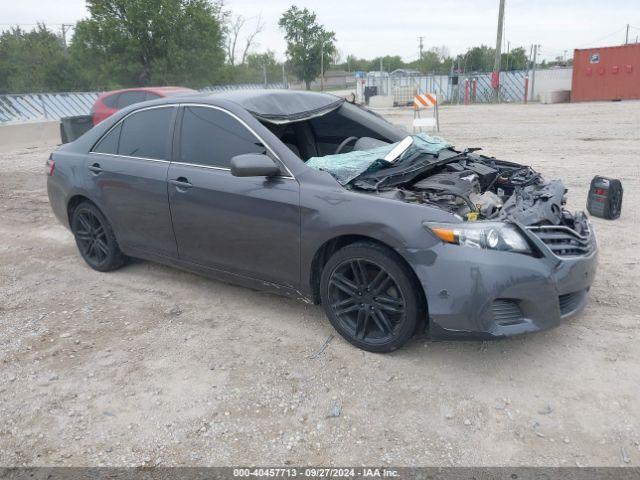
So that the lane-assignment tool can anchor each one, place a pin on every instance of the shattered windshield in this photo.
(345, 167)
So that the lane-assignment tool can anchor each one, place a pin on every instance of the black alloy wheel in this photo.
(369, 297)
(95, 239)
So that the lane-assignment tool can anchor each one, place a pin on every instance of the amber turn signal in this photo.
(446, 235)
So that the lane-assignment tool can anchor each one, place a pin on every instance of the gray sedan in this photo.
(307, 195)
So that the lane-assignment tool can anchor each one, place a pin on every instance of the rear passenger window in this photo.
(111, 100)
(212, 138)
(109, 143)
(146, 134)
(129, 98)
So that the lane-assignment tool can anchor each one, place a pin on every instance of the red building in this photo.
(607, 73)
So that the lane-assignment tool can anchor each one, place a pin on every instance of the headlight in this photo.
(487, 235)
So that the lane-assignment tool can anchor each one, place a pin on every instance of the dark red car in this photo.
(110, 102)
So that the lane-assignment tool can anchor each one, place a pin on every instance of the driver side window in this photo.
(211, 138)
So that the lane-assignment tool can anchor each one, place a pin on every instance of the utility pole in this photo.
(420, 57)
(65, 28)
(284, 76)
(322, 65)
(533, 72)
(264, 73)
(626, 38)
(496, 66)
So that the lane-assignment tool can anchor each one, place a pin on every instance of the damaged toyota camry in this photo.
(310, 196)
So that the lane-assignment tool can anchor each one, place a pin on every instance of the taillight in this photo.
(50, 165)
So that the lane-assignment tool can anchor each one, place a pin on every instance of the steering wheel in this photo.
(344, 143)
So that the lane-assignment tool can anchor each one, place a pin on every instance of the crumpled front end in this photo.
(511, 259)
(474, 293)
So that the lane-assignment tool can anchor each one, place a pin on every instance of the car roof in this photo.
(272, 105)
(163, 91)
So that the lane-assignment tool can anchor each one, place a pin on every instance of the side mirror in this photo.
(253, 165)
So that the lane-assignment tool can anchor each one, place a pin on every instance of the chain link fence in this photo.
(474, 87)
(45, 106)
(467, 87)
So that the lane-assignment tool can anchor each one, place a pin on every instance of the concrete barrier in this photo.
(381, 101)
(556, 96)
(31, 134)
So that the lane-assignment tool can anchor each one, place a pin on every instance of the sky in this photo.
(373, 28)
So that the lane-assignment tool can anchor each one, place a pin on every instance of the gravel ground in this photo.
(149, 365)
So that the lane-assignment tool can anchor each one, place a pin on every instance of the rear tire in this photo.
(95, 238)
(613, 206)
(370, 297)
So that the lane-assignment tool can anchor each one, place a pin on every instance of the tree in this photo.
(389, 63)
(430, 60)
(480, 59)
(336, 58)
(516, 59)
(307, 43)
(232, 38)
(264, 63)
(143, 42)
(34, 61)
(234, 34)
(250, 40)
(354, 64)
(477, 59)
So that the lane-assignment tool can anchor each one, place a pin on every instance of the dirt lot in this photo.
(151, 365)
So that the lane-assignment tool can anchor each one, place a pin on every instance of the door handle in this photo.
(95, 168)
(180, 182)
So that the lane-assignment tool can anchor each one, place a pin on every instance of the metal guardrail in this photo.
(31, 107)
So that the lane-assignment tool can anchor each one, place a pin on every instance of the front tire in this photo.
(95, 238)
(370, 297)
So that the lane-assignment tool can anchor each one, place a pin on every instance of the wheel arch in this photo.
(76, 200)
(334, 244)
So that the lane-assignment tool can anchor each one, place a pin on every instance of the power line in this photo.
(617, 32)
(602, 38)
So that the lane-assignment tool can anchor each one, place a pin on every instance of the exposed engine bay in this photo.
(474, 187)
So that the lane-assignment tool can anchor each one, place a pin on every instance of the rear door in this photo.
(248, 226)
(127, 174)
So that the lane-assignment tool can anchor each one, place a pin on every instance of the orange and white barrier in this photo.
(425, 101)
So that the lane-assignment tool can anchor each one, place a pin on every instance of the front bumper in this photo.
(473, 293)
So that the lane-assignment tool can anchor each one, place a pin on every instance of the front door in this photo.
(248, 226)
